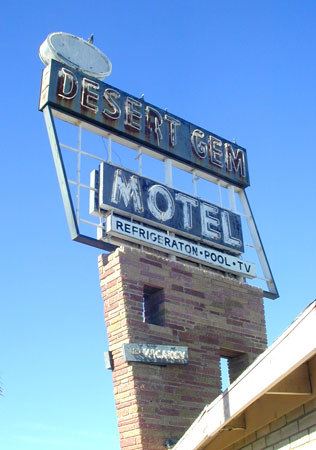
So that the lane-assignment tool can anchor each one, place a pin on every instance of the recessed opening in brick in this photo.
(153, 305)
(224, 373)
(232, 364)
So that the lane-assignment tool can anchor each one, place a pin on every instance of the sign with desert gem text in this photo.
(82, 97)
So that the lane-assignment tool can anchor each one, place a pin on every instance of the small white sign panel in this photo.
(116, 226)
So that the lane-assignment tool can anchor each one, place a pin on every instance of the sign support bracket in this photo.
(64, 188)
(273, 291)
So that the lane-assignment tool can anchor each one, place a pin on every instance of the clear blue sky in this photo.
(242, 69)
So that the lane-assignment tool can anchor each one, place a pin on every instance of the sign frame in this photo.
(64, 188)
(50, 112)
(108, 245)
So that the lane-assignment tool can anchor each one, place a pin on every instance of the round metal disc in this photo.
(77, 53)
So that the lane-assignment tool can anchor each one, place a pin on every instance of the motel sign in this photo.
(126, 206)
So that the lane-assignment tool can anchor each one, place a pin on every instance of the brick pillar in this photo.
(211, 314)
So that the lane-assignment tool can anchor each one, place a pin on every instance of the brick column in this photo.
(211, 314)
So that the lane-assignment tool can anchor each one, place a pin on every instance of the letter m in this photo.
(235, 160)
(127, 190)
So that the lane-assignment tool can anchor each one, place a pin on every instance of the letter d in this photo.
(67, 84)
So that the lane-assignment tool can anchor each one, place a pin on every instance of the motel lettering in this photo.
(122, 191)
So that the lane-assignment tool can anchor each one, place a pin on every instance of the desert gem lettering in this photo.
(137, 121)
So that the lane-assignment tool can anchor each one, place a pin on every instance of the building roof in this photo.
(278, 381)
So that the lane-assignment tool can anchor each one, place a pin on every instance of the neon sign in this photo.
(126, 205)
(109, 108)
(119, 190)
